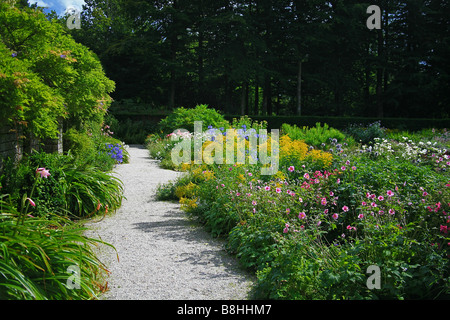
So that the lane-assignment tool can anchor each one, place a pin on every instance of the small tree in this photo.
(45, 76)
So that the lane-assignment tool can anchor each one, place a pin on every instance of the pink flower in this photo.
(325, 211)
(381, 198)
(286, 229)
(323, 201)
(338, 181)
(254, 203)
(291, 169)
(250, 174)
(335, 216)
(300, 199)
(238, 194)
(389, 193)
(345, 208)
(288, 210)
(306, 176)
(343, 168)
(331, 193)
(425, 193)
(363, 203)
(373, 204)
(43, 172)
(302, 215)
(353, 168)
(360, 216)
(31, 202)
(391, 211)
(278, 190)
(443, 229)
(267, 188)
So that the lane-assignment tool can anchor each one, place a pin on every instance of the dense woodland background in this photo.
(246, 56)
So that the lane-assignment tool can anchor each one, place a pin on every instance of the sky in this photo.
(60, 6)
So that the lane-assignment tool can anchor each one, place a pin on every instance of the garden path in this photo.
(162, 254)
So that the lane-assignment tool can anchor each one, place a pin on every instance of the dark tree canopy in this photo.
(247, 56)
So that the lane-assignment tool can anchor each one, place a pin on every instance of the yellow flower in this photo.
(280, 175)
(189, 190)
(188, 204)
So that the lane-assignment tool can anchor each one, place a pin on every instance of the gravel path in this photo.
(162, 254)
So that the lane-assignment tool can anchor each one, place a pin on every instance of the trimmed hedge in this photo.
(275, 122)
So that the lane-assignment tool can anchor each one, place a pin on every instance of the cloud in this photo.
(42, 4)
(60, 6)
(72, 4)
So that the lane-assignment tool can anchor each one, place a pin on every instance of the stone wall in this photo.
(11, 144)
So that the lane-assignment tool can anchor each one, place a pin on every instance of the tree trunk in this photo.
(256, 105)
(380, 70)
(243, 98)
(299, 89)
(267, 97)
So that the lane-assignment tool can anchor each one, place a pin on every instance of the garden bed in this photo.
(335, 210)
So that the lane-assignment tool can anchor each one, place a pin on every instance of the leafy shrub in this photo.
(366, 134)
(247, 123)
(183, 118)
(46, 76)
(317, 136)
(100, 150)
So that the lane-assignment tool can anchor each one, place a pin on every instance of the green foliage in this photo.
(91, 147)
(130, 131)
(318, 136)
(366, 134)
(183, 118)
(46, 76)
(311, 232)
(73, 189)
(35, 257)
(248, 123)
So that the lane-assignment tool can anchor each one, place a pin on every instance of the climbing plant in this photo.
(45, 76)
